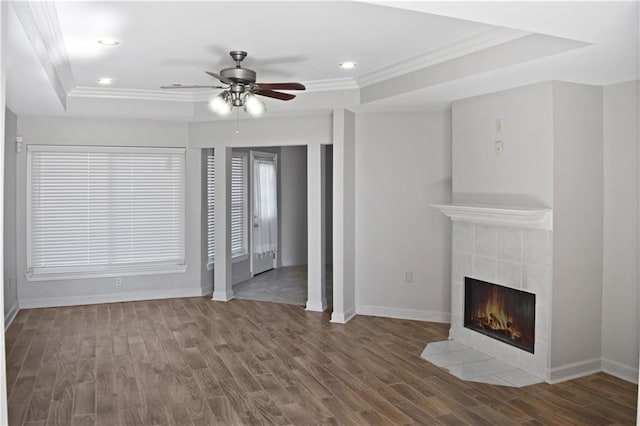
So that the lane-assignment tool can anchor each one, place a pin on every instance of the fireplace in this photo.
(503, 313)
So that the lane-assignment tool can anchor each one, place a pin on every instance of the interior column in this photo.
(344, 183)
(316, 279)
(222, 289)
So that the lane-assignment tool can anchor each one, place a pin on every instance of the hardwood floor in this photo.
(198, 362)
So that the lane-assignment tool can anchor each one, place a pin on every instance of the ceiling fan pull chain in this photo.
(237, 121)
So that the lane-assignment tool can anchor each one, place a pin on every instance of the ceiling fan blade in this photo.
(219, 77)
(275, 95)
(281, 86)
(190, 86)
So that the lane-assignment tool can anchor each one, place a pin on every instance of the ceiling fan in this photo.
(241, 89)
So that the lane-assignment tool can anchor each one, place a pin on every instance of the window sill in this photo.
(156, 270)
(238, 258)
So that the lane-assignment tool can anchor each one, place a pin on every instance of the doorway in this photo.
(275, 269)
(264, 211)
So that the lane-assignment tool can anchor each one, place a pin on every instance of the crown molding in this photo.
(479, 41)
(192, 95)
(42, 27)
(346, 83)
(139, 94)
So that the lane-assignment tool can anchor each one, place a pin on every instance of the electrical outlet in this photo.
(408, 277)
(499, 148)
(118, 281)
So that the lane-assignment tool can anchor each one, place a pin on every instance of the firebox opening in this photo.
(504, 313)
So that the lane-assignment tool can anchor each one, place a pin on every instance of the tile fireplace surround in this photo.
(510, 246)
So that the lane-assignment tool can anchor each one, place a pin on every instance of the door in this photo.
(264, 211)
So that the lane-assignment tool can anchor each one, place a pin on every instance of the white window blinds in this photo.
(105, 210)
(211, 201)
(239, 170)
(239, 190)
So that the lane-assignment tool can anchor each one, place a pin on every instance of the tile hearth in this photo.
(469, 364)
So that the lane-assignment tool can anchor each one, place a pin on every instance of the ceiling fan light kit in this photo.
(241, 89)
(220, 104)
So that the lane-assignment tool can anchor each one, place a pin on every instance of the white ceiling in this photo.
(394, 44)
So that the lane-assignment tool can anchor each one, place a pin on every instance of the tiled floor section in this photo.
(468, 364)
(282, 285)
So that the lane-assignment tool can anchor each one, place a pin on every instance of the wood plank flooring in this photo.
(198, 362)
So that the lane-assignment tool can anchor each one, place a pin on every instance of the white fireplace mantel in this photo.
(526, 217)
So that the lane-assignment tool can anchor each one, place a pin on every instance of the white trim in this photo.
(42, 27)
(175, 95)
(51, 302)
(10, 315)
(147, 270)
(621, 371)
(345, 83)
(401, 313)
(474, 43)
(574, 370)
(321, 306)
(343, 317)
(222, 296)
(526, 217)
(193, 95)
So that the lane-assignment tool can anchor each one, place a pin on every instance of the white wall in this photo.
(10, 275)
(118, 133)
(577, 227)
(263, 132)
(620, 266)
(293, 205)
(3, 78)
(403, 165)
(523, 174)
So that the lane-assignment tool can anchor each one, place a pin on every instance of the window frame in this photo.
(98, 271)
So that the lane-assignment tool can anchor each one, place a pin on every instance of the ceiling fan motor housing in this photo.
(239, 75)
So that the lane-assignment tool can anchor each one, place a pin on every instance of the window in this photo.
(239, 189)
(239, 169)
(100, 211)
(211, 202)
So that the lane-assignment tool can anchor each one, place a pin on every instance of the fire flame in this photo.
(494, 316)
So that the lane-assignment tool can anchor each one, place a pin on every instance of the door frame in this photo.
(271, 156)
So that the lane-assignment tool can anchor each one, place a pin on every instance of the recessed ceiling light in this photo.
(348, 65)
(105, 81)
(109, 42)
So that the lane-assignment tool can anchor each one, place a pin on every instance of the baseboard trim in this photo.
(11, 315)
(399, 313)
(52, 302)
(575, 370)
(222, 296)
(343, 317)
(317, 306)
(621, 371)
